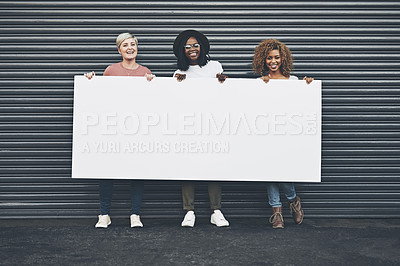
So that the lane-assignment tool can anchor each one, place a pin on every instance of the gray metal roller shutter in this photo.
(353, 46)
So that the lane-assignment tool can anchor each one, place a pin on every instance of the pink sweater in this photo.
(118, 70)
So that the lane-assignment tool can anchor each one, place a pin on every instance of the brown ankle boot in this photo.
(276, 218)
(296, 210)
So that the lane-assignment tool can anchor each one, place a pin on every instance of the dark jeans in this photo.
(106, 190)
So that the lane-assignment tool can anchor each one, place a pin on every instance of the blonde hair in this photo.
(123, 36)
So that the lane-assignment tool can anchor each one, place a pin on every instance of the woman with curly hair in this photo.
(273, 60)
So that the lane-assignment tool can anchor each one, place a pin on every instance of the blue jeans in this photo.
(273, 193)
(106, 190)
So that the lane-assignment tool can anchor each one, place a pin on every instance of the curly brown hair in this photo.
(261, 53)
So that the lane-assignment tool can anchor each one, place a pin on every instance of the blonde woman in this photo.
(127, 46)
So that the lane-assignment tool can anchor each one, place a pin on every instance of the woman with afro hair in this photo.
(191, 49)
(273, 60)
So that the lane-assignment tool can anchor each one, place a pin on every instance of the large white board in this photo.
(198, 129)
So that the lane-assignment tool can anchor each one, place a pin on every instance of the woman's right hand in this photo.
(89, 75)
(266, 78)
(180, 77)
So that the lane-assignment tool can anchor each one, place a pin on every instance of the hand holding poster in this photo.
(199, 129)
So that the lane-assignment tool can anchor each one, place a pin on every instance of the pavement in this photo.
(164, 242)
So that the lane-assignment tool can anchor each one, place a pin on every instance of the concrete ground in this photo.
(164, 242)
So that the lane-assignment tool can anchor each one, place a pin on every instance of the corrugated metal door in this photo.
(353, 46)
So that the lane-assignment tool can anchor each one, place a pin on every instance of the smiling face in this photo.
(274, 61)
(192, 50)
(128, 49)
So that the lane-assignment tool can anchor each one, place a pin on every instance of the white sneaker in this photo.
(218, 219)
(135, 221)
(104, 221)
(189, 219)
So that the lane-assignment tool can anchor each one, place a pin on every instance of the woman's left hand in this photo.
(221, 77)
(180, 77)
(149, 77)
(308, 79)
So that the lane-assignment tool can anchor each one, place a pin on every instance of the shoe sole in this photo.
(187, 225)
(102, 226)
(302, 218)
(299, 222)
(214, 223)
(278, 226)
(221, 225)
